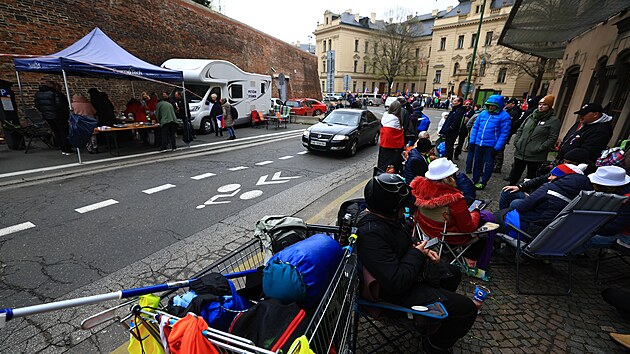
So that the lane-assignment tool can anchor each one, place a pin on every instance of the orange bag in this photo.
(186, 337)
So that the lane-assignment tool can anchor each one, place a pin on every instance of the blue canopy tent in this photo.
(96, 55)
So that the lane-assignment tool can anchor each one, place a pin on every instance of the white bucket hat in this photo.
(440, 169)
(611, 176)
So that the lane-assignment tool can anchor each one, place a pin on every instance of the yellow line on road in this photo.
(336, 203)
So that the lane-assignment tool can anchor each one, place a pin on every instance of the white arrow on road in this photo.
(274, 180)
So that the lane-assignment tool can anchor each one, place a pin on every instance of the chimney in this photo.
(449, 8)
(373, 17)
(434, 13)
(356, 17)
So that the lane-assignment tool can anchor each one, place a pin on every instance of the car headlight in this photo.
(195, 108)
(306, 133)
(340, 137)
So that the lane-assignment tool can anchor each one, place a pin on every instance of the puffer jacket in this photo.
(593, 137)
(493, 129)
(436, 202)
(48, 102)
(454, 121)
(536, 136)
(416, 165)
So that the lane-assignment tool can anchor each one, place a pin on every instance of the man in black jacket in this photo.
(452, 125)
(591, 132)
(215, 110)
(408, 273)
(53, 106)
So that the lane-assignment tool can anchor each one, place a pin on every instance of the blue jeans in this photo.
(506, 199)
(483, 164)
(230, 131)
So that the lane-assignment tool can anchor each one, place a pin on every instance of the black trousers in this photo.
(168, 135)
(461, 139)
(618, 298)
(519, 166)
(60, 129)
(450, 145)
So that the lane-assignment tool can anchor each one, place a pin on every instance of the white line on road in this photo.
(302, 152)
(238, 168)
(285, 157)
(205, 175)
(264, 163)
(15, 228)
(95, 206)
(158, 188)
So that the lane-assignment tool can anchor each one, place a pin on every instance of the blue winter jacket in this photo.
(466, 186)
(416, 165)
(423, 122)
(492, 129)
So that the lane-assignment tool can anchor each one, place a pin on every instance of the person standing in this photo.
(104, 107)
(592, 132)
(215, 111)
(54, 109)
(515, 112)
(452, 125)
(228, 120)
(83, 107)
(533, 140)
(182, 113)
(463, 130)
(488, 135)
(392, 139)
(165, 114)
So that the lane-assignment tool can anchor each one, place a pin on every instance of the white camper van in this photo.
(245, 91)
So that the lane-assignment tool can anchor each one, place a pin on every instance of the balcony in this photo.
(464, 72)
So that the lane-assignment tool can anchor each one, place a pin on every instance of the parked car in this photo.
(306, 107)
(343, 130)
(275, 102)
(389, 101)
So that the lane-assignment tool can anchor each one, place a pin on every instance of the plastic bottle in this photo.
(345, 229)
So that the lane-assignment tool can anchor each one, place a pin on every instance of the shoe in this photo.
(480, 186)
(487, 227)
(65, 153)
(623, 339)
(174, 149)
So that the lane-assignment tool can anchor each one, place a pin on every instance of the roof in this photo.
(545, 30)
(96, 54)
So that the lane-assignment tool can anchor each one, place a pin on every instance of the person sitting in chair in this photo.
(405, 269)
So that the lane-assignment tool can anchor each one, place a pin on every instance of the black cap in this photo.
(578, 155)
(590, 107)
(424, 145)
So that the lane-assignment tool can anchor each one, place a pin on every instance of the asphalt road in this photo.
(145, 224)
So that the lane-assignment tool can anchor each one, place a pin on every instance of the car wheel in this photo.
(375, 139)
(205, 127)
(370, 103)
(317, 112)
(352, 149)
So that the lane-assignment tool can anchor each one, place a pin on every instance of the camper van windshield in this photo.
(198, 92)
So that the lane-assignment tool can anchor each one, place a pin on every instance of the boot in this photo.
(623, 339)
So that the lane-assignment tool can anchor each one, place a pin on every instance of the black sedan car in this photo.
(343, 130)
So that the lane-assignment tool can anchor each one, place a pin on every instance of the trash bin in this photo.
(8, 113)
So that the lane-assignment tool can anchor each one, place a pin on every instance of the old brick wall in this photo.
(153, 31)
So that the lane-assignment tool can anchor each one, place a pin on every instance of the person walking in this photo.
(54, 109)
(488, 135)
(165, 114)
(533, 140)
(228, 119)
(452, 125)
(392, 139)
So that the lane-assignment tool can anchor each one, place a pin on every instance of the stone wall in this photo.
(153, 31)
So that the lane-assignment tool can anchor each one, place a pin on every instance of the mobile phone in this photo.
(432, 242)
(477, 204)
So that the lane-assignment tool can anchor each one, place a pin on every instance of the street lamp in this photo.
(472, 62)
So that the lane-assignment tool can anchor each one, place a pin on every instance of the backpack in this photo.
(233, 113)
(276, 232)
(271, 324)
(612, 157)
(302, 272)
(354, 207)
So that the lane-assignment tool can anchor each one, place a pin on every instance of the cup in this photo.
(481, 292)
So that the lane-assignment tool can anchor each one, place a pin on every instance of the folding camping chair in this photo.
(571, 228)
(619, 250)
(36, 129)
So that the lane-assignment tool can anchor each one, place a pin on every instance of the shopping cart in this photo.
(331, 327)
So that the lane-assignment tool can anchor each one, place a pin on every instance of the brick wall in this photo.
(152, 30)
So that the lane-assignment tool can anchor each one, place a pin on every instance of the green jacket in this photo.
(165, 113)
(536, 136)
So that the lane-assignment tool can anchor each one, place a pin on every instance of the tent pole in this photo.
(17, 74)
(185, 101)
(65, 83)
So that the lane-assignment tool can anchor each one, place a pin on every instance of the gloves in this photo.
(494, 152)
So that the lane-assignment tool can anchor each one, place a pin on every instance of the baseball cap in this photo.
(590, 107)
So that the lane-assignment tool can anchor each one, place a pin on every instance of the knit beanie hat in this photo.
(549, 99)
(579, 155)
(568, 169)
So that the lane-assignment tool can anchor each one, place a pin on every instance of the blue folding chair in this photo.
(571, 228)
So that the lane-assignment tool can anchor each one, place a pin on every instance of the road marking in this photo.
(251, 194)
(302, 152)
(264, 163)
(15, 228)
(205, 175)
(274, 180)
(95, 206)
(228, 188)
(285, 157)
(158, 188)
(238, 168)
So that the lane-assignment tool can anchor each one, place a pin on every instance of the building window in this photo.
(375, 47)
(438, 76)
(363, 87)
(417, 52)
(373, 85)
(415, 70)
(356, 63)
(326, 20)
(324, 65)
(460, 42)
(323, 86)
(356, 45)
(455, 69)
(365, 66)
(477, 9)
(330, 44)
(413, 87)
(354, 86)
(443, 43)
(324, 45)
(482, 69)
(488, 39)
(397, 87)
(473, 39)
(468, 66)
(501, 76)
(366, 47)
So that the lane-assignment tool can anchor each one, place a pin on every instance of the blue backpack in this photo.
(302, 272)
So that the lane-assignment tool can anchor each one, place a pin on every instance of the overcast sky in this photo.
(293, 21)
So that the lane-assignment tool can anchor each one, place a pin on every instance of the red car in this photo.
(306, 106)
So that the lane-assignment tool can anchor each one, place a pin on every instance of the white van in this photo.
(245, 91)
(373, 99)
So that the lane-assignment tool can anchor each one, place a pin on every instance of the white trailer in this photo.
(245, 91)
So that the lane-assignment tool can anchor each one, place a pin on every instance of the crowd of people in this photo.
(415, 175)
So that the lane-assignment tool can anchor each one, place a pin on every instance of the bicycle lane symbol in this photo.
(229, 191)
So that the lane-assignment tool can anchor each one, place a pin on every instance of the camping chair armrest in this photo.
(394, 307)
(510, 226)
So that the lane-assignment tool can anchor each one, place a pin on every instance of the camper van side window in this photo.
(262, 87)
(236, 91)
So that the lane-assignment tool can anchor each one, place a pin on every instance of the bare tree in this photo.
(521, 63)
(392, 55)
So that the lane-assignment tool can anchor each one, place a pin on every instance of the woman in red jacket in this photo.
(437, 200)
